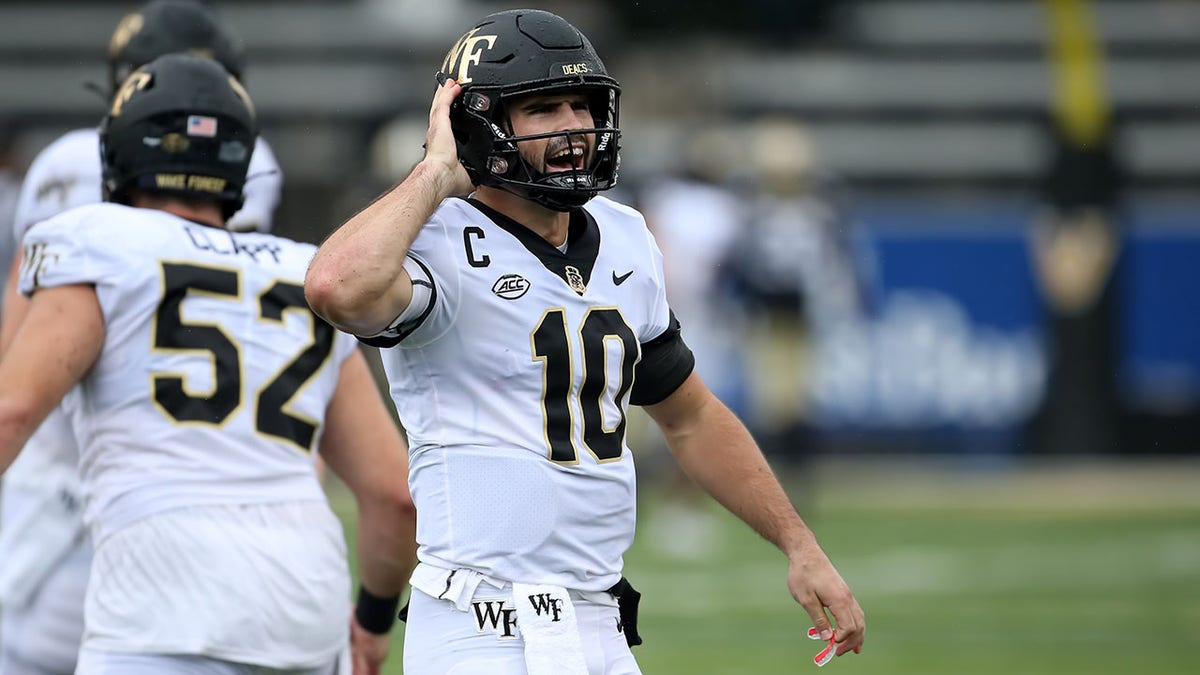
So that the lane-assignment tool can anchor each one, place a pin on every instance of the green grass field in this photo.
(1060, 570)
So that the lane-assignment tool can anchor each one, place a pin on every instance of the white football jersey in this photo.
(67, 174)
(513, 372)
(44, 478)
(215, 375)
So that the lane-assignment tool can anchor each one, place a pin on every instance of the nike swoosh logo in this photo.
(618, 280)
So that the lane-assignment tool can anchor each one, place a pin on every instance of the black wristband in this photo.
(375, 614)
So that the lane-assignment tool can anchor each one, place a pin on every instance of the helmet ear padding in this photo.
(521, 53)
(483, 145)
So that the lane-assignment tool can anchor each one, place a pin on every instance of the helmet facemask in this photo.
(492, 154)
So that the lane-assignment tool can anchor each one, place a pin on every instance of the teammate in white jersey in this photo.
(522, 323)
(42, 538)
(206, 385)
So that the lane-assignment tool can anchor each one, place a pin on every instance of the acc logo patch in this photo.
(510, 286)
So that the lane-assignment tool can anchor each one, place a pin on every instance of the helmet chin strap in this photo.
(562, 201)
(553, 200)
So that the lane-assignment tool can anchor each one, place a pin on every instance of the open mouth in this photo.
(569, 158)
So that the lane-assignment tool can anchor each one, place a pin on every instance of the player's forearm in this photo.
(57, 341)
(386, 545)
(356, 280)
(717, 452)
(14, 304)
(17, 422)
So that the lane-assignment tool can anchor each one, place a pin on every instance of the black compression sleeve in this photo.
(666, 363)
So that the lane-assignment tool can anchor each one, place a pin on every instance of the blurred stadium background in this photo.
(942, 256)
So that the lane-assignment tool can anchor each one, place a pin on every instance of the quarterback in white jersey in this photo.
(539, 394)
(522, 322)
(205, 386)
(42, 539)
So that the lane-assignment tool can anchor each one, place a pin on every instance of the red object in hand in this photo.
(825, 655)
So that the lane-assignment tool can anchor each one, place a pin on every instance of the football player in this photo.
(205, 388)
(42, 538)
(518, 325)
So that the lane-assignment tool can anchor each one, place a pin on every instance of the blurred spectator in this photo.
(798, 269)
(1076, 249)
(696, 220)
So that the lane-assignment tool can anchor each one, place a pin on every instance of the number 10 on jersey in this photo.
(563, 393)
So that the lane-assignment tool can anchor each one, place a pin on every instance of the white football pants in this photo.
(439, 639)
(96, 662)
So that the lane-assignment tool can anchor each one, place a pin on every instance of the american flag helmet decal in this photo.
(201, 125)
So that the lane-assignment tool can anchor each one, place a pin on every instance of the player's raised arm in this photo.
(357, 279)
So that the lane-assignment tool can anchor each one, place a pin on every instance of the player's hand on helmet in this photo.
(817, 586)
(441, 153)
(367, 650)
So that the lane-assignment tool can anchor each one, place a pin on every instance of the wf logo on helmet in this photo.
(464, 54)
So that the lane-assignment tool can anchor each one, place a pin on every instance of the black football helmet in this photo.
(179, 124)
(166, 27)
(517, 53)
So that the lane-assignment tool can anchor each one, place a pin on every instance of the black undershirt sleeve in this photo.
(666, 363)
